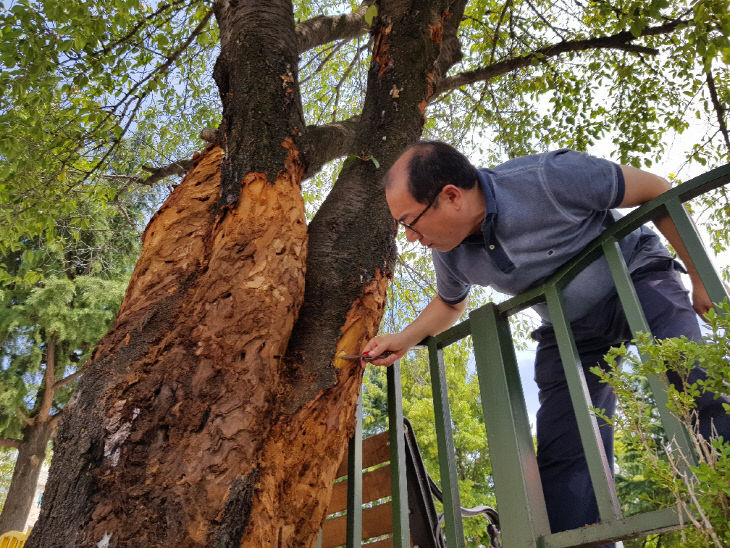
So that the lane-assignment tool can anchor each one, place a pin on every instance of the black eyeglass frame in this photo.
(409, 226)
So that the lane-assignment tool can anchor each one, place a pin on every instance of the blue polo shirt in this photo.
(541, 211)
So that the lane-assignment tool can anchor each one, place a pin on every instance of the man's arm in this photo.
(435, 318)
(641, 187)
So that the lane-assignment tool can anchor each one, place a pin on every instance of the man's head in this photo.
(431, 190)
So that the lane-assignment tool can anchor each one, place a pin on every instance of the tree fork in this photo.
(256, 74)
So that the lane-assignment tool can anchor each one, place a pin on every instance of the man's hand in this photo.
(396, 343)
(701, 301)
(435, 318)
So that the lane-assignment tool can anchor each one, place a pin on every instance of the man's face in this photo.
(434, 225)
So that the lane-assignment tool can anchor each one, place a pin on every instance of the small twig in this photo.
(69, 379)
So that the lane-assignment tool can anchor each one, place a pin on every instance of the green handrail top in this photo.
(646, 212)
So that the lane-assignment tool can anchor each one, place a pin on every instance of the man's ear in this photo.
(452, 194)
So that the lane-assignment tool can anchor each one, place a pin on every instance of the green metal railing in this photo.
(518, 490)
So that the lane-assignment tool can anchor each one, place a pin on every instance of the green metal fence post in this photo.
(398, 482)
(354, 482)
(598, 466)
(520, 500)
(444, 437)
(637, 322)
(691, 240)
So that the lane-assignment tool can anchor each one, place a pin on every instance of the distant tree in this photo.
(57, 299)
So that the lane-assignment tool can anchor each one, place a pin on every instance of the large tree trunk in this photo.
(31, 454)
(195, 425)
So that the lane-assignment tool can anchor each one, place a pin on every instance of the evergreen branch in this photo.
(324, 29)
(321, 144)
(719, 108)
(23, 416)
(10, 443)
(621, 41)
(69, 379)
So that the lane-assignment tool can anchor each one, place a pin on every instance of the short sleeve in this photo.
(580, 182)
(449, 286)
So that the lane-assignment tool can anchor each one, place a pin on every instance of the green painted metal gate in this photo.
(519, 495)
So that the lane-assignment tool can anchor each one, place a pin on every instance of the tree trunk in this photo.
(196, 424)
(31, 454)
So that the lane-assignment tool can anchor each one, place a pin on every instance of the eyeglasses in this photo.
(410, 225)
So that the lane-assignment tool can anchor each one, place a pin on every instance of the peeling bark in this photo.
(180, 394)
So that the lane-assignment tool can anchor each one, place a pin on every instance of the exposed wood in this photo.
(172, 411)
(293, 492)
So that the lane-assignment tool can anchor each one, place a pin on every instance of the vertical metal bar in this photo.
(691, 240)
(598, 466)
(319, 539)
(520, 500)
(354, 482)
(398, 482)
(638, 324)
(444, 437)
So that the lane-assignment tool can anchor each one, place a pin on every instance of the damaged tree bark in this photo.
(199, 421)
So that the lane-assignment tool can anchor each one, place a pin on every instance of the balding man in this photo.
(512, 226)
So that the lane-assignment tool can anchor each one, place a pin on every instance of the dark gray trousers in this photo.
(563, 470)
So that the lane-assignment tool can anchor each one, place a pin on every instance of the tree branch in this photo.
(450, 53)
(719, 108)
(181, 167)
(10, 443)
(323, 29)
(68, 380)
(620, 41)
(321, 144)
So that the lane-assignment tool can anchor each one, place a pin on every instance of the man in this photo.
(512, 226)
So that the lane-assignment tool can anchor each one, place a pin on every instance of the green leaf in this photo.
(370, 14)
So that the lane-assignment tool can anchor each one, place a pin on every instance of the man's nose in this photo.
(412, 235)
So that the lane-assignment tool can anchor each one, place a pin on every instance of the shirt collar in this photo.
(485, 183)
